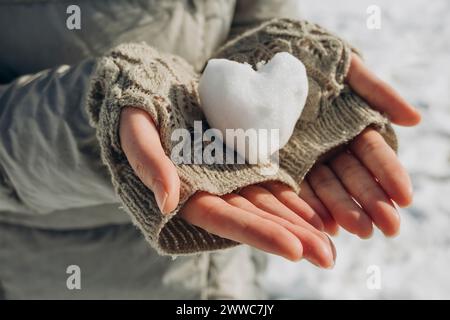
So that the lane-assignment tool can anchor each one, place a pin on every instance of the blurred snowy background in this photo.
(411, 51)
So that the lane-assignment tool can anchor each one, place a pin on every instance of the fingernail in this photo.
(315, 262)
(393, 233)
(338, 231)
(411, 189)
(333, 251)
(160, 194)
(333, 248)
(396, 212)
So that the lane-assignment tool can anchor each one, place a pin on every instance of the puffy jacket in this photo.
(51, 174)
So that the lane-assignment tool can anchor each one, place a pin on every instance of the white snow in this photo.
(412, 52)
(234, 96)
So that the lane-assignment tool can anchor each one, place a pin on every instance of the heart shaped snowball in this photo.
(235, 96)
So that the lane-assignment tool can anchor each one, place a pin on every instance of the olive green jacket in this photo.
(51, 174)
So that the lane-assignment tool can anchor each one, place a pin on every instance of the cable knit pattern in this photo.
(165, 86)
(333, 113)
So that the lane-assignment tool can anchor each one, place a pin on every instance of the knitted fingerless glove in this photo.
(333, 113)
(165, 86)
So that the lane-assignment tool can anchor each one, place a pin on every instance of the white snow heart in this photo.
(235, 96)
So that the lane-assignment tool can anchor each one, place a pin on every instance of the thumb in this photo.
(141, 144)
(380, 95)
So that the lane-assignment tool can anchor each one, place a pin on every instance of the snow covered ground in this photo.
(412, 52)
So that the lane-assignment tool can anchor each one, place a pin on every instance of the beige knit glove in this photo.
(166, 87)
(333, 114)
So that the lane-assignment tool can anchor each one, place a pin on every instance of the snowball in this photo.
(234, 96)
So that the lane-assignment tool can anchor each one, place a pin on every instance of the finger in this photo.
(266, 201)
(315, 249)
(307, 194)
(371, 149)
(215, 215)
(337, 200)
(291, 200)
(380, 95)
(141, 144)
(363, 187)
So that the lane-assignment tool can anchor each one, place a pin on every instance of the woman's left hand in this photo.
(358, 186)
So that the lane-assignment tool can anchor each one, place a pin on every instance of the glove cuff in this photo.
(165, 86)
(333, 114)
(337, 125)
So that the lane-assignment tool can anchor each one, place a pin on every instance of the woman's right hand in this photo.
(270, 217)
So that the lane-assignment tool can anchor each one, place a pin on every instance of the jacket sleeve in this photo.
(249, 13)
(49, 154)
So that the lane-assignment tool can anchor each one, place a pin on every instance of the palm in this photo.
(368, 171)
(271, 217)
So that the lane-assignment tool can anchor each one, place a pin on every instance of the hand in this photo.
(270, 217)
(367, 170)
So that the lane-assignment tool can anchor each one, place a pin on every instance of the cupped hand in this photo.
(270, 217)
(354, 189)
(358, 186)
